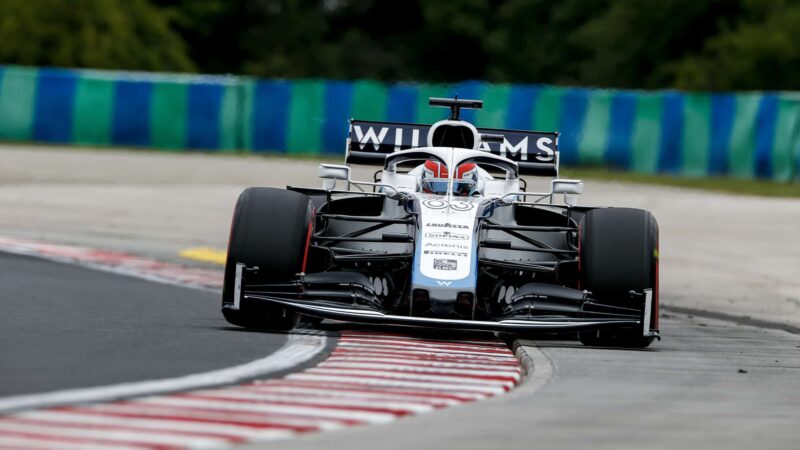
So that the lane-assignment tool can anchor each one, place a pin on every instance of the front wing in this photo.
(337, 311)
(347, 296)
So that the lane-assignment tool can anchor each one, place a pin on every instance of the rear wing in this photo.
(535, 152)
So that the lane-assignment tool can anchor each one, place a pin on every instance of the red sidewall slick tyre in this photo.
(618, 254)
(270, 230)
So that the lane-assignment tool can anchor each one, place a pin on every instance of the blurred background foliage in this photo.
(687, 44)
(107, 34)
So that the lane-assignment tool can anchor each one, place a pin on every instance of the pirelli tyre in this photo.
(270, 230)
(619, 254)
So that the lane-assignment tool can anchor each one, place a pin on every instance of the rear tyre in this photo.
(619, 254)
(270, 230)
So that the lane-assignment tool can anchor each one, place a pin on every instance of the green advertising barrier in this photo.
(745, 135)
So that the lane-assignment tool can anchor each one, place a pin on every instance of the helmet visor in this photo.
(464, 187)
(436, 185)
(439, 186)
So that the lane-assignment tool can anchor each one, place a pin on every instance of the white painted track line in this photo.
(337, 393)
(298, 349)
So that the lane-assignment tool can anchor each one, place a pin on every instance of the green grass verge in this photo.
(763, 188)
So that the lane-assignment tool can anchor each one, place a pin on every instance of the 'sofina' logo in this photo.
(446, 235)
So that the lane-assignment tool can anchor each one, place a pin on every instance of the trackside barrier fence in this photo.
(746, 135)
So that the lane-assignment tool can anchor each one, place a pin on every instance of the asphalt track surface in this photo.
(709, 384)
(65, 326)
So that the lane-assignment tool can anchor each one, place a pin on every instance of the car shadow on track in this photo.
(334, 329)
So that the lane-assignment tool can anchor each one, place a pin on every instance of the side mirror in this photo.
(562, 186)
(332, 172)
(570, 188)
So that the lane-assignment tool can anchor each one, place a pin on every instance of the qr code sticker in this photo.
(445, 264)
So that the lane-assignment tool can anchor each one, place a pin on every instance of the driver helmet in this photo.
(434, 178)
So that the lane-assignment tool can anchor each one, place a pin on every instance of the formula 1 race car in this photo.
(444, 236)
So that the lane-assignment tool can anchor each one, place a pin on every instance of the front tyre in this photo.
(270, 230)
(619, 254)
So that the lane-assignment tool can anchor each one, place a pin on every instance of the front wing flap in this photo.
(357, 313)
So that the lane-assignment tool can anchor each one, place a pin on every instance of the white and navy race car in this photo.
(445, 236)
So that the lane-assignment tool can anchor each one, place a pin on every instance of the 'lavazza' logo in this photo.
(447, 225)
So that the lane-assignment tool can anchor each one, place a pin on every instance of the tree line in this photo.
(637, 44)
